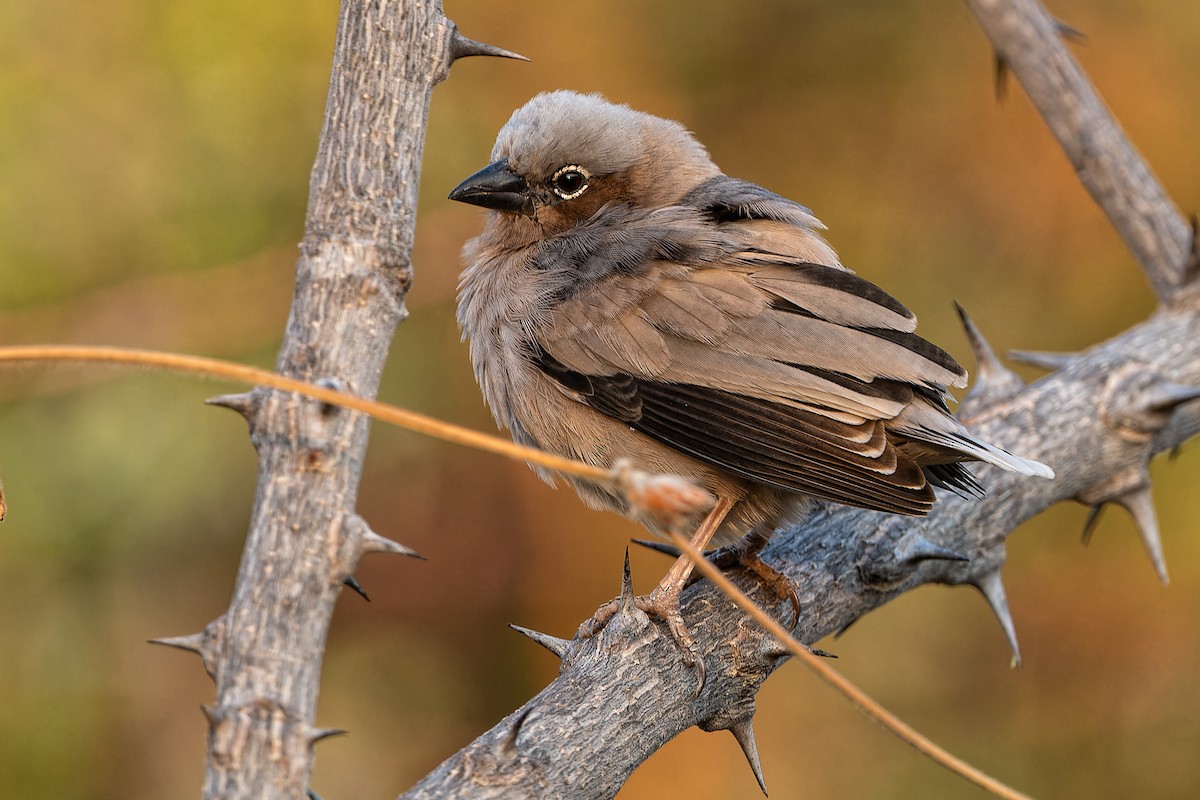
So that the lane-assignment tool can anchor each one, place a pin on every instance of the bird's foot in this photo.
(745, 554)
(781, 585)
(663, 603)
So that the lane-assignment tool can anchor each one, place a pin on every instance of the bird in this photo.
(627, 299)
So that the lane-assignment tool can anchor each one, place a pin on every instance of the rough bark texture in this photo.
(265, 653)
(1097, 419)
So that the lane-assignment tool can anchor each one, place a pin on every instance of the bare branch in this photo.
(1029, 42)
(354, 271)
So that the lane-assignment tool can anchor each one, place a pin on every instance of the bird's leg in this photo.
(745, 554)
(663, 602)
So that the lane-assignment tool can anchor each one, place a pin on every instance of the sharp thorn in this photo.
(192, 644)
(205, 644)
(1166, 395)
(627, 602)
(773, 648)
(743, 731)
(1140, 506)
(915, 549)
(463, 47)
(317, 734)
(988, 366)
(506, 746)
(1069, 32)
(212, 716)
(999, 76)
(559, 647)
(1043, 360)
(992, 588)
(353, 583)
(1089, 524)
(658, 547)
(845, 627)
(313, 795)
(372, 542)
(333, 384)
(244, 403)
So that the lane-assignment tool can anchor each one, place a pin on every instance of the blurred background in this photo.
(154, 160)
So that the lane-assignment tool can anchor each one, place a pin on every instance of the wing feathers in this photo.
(763, 443)
(729, 343)
(834, 294)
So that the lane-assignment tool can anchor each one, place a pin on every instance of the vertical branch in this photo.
(1028, 41)
(265, 653)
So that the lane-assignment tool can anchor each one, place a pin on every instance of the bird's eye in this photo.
(570, 181)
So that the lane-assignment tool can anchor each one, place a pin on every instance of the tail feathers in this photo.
(926, 425)
(992, 454)
(955, 477)
(982, 451)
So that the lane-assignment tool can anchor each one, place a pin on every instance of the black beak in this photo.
(497, 187)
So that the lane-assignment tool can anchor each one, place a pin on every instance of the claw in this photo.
(663, 603)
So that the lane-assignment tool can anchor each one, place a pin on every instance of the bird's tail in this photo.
(991, 454)
(935, 437)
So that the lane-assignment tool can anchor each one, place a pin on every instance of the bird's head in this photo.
(563, 155)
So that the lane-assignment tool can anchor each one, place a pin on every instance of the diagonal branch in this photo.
(1028, 41)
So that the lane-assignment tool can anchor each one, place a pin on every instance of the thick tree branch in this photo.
(1097, 419)
(265, 653)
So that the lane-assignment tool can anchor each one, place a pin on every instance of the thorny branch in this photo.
(1098, 419)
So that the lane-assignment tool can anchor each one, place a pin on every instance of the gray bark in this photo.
(265, 652)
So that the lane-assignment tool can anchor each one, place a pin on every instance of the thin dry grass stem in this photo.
(228, 370)
(855, 695)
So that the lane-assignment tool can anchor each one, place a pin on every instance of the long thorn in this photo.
(992, 588)
(744, 733)
(1089, 524)
(1041, 359)
(1140, 506)
(464, 47)
(557, 646)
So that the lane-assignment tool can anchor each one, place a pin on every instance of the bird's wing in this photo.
(747, 356)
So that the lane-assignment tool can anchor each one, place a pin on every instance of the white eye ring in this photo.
(570, 181)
